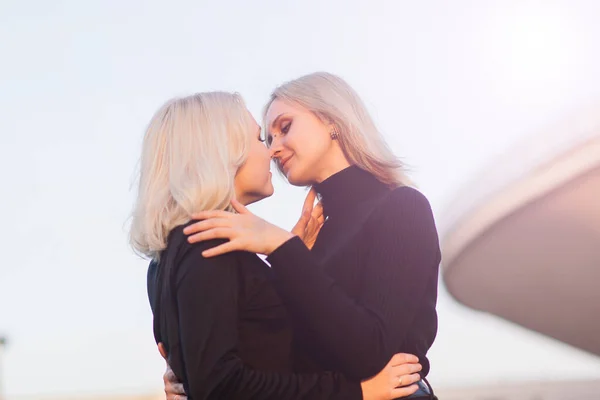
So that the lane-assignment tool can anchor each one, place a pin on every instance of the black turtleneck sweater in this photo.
(368, 288)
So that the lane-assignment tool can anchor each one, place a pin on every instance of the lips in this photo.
(284, 161)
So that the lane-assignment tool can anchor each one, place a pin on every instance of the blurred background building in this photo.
(522, 242)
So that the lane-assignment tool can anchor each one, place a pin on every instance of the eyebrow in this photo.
(269, 135)
(276, 120)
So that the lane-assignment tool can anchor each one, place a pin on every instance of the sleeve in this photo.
(207, 297)
(363, 333)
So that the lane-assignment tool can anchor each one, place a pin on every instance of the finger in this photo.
(239, 207)
(162, 351)
(170, 376)
(314, 217)
(318, 213)
(215, 233)
(171, 395)
(174, 388)
(403, 391)
(169, 380)
(177, 389)
(312, 222)
(405, 380)
(202, 215)
(300, 226)
(403, 358)
(208, 224)
(309, 201)
(228, 247)
(406, 369)
(304, 219)
(317, 210)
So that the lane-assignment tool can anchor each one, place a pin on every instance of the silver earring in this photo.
(334, 134)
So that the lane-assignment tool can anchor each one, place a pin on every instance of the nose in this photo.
(275, 148)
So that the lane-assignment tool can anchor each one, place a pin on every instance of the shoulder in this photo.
(404, 209)
(405, 201)
(189, 259)
(408, 197)
(405, 227)
(178, 243)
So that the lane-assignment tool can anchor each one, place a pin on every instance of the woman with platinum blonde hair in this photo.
(368, 287)
(222, 326)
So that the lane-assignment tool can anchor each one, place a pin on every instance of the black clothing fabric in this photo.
(368, 287)
(226, 330)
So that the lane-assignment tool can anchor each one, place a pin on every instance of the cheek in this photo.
(259, 160)
(310, 140)
(310, 150)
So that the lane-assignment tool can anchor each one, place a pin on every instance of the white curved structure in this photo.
(523, 242)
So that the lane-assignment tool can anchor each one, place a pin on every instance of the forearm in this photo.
(233, 380)
(353, 333)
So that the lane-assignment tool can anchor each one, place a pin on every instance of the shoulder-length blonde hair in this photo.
(334, 101)
(191, 152)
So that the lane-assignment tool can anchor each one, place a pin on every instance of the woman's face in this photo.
(300, 143)
(253, 179)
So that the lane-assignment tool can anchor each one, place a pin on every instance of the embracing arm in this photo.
(363, 333)
(207, 297)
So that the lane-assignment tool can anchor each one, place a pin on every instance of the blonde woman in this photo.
(224, 329)
(368, 287)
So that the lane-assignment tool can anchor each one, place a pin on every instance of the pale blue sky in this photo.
(451, 85)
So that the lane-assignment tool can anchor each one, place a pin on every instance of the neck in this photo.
(335, 164)
(245, 198)
(343, 192)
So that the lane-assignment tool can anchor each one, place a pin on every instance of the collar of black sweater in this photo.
(343, 191)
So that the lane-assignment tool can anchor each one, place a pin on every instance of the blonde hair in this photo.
(191, 152)
(333, 101)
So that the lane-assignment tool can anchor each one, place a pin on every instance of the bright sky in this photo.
(451, 85)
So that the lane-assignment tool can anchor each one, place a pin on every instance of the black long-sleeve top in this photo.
(368, 288)
(226, 330)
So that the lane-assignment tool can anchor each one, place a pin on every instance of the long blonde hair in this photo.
(191, 152)
(334, 101)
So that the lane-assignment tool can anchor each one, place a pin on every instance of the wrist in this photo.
(279, 238)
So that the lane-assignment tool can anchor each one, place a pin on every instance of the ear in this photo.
(331, 125)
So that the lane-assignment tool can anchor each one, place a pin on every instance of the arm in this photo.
(207, 297)
(362, 333)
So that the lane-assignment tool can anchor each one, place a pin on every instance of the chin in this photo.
(269, 191)
(297, 179)
(261, 194)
